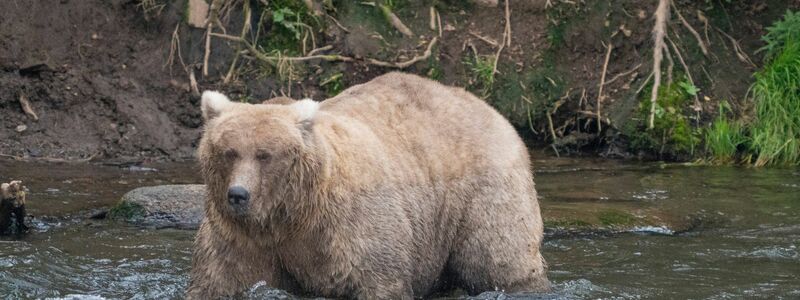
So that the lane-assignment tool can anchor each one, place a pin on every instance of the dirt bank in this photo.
(106, 80)
(94, 74)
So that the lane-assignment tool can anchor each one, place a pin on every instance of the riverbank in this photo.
(117, 79)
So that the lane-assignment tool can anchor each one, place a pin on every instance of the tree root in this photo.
(697, 106)
(602, 84)
(694, 32)
(659, 32)
(395, 21)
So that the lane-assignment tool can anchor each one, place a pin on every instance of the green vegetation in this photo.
(333, 84)
(775, 134)
(126, 211)
(724, 137)
(481, 68)
(780, 34)
(672, 132)
(615, 217)
(292, 27)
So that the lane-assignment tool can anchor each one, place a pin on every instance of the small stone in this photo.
(21, 128)
(197, 13)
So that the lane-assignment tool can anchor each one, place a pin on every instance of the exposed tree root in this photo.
(697, 106)
(395, 21)
(671, 65)
(740, 54)
(694, 32)
(408, 63)
(659, 32)
(602, 84)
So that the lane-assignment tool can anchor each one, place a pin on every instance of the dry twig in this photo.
(602, 83)
(483, 38)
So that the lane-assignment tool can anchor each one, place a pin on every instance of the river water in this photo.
(747, 246)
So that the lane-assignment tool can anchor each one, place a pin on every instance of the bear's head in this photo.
(259, 160)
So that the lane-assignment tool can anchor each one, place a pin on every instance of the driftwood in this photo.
(12, 207)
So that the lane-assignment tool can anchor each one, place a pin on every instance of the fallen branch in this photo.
(694, 32)
(405, 64)
(26, 107)
(659, 31)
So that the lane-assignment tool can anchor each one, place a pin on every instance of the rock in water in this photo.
(163, 206)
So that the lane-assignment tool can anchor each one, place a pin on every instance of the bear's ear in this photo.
(305, 109)
(213, 104)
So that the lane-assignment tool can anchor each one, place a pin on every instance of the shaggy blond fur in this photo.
(393, 189)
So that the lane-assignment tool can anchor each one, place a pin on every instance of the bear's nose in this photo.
(238, 196)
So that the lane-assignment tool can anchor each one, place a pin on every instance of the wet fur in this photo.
(390, 185)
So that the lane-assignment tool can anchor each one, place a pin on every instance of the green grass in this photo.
(672, 133)
(775, 134)
(780, 33)
(481, 68)
(723, 138)
(615, 218)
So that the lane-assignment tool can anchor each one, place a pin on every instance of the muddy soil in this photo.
(94, 73)
(98, 73)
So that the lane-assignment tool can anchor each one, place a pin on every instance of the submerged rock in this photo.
(164, 206)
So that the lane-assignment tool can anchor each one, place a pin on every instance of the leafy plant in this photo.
(333, 85)
(481, 68)
(289, 19)
(688, 88)
(780, 33)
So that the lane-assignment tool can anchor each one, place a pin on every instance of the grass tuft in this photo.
(723, 138)
(775, 134)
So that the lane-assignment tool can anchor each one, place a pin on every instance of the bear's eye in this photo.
(263, 156)
(230, 154)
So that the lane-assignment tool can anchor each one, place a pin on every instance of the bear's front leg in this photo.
(223, 267)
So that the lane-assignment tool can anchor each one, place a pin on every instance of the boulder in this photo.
(163, 206)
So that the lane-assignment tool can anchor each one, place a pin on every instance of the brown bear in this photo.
(393, 189)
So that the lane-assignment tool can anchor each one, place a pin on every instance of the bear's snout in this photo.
(238, 197)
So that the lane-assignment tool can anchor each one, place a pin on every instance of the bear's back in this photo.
(447, 130)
